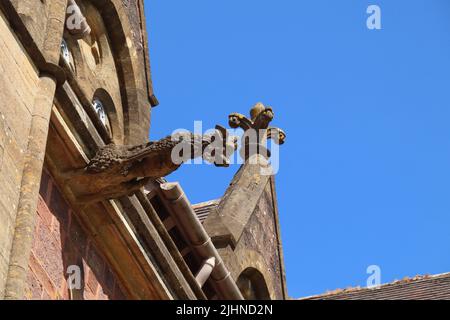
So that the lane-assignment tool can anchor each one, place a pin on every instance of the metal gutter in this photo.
(171, 247)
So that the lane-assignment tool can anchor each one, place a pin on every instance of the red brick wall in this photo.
(60, 242)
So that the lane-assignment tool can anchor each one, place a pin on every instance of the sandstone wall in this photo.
(119, 69)
(18, 84)
(261, 235)
(34, 14)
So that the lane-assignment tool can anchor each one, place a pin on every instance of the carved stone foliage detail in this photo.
(257, 130)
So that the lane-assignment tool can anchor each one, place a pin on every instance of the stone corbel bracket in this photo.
(76, 23)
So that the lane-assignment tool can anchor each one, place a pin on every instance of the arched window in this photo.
(252, 285)
(99, 108)
(66, 55)
(106, 112)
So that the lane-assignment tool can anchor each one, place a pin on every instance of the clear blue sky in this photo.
(365, 174)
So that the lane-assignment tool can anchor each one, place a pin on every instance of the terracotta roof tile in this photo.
(435, 287)
(203, 209)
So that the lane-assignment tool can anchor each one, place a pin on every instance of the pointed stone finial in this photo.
(256, 110)
(257, 130)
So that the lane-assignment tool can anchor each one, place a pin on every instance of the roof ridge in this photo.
(206, 203)
(354, 290)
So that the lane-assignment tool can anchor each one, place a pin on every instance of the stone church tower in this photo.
(85, 211)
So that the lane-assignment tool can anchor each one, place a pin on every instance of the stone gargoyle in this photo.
(120, 170)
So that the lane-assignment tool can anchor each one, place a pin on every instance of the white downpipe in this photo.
(205, 271)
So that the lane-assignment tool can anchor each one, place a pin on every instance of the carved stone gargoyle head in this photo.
(215, 148)
(120, 170)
